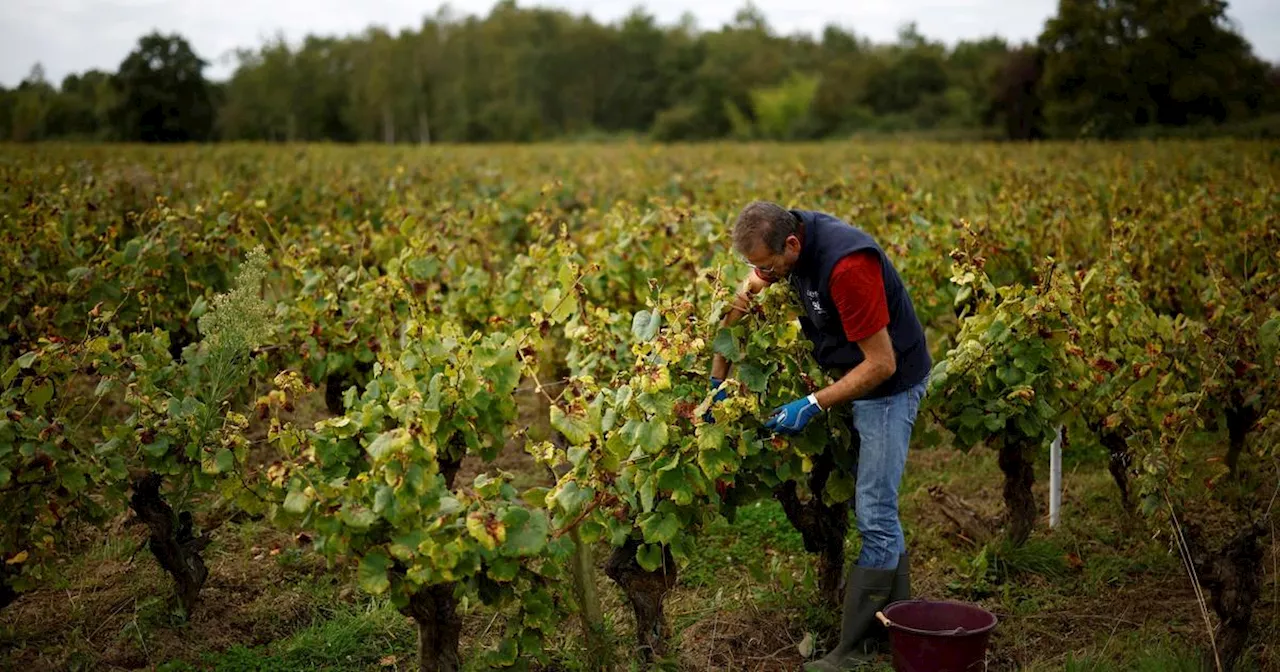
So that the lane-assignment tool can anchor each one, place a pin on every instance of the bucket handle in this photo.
(884, 619)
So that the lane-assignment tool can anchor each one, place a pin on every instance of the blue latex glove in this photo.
(792, 418)
(721, 395)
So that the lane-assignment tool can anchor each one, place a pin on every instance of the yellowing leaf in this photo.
(389, 442)
(805, 647)
(480, 531)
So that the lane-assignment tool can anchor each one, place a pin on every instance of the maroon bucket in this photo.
(938, 636)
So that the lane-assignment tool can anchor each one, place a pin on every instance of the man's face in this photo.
(774, 265)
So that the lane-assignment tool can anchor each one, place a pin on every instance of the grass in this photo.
(373, 635)
(1095, 594)
(1145, 654)
(760, 534)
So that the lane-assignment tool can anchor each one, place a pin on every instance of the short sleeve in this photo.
(857, 288)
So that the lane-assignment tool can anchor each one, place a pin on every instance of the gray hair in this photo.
(763, 222)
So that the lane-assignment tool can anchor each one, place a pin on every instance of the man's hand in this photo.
(751, 285)
(792, 418)
(754, 283)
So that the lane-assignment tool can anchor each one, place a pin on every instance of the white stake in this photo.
(1055, 478)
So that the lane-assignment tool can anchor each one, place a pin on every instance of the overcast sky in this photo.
(68, 36)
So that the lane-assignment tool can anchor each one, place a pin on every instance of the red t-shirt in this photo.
(857, 288)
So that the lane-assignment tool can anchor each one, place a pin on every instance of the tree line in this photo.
(1099, 69)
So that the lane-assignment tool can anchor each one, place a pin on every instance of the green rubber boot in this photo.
(902, 580)
(879, 640)
(866, 592)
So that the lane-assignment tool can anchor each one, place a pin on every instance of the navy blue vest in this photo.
(827, 240)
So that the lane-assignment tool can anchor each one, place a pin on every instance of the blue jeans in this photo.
(884, 428)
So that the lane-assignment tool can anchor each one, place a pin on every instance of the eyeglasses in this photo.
(767, 272)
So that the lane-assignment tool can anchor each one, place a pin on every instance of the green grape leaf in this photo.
(567, 276)
(574, 429)
(666, 462)
(416, 477)
(840, 486)
(372, 573)
(157, 448)
(755, 378)
(659, 528)
(622, 397)
(224, 461)
(714, 454)
(535, 497)
(564, 308)
(526, 532)
(502, 569)
(297, 501)
(648, 490)
(198, 308)
(971, 417)
(651, 435)
(617, 446)
(1269, 335)
(572, 498)
(726, 345)
(505, 655)
(648, 435)
(644, 326)
(682, 493)
(73, 479)
(358, 517)
(649, 403)
(675, 477)
(40, 395)
(383, 499)
(649, 557)
(551, 301)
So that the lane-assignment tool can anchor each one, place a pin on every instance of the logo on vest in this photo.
(812, 295)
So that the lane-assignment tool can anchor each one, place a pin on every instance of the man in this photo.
(863, 328)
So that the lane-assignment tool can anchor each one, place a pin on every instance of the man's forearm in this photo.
(857, 383)
(719, 367)
(737, 309)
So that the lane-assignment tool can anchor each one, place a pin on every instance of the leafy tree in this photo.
(83, 107)
(640, 88)
(518, 74)
(1114, 65)
(1015, 101)
(783, 112)
(910, 72)
(163, 93)
(7, 99)
(31, 104)
(971, 66)
(262, 96)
